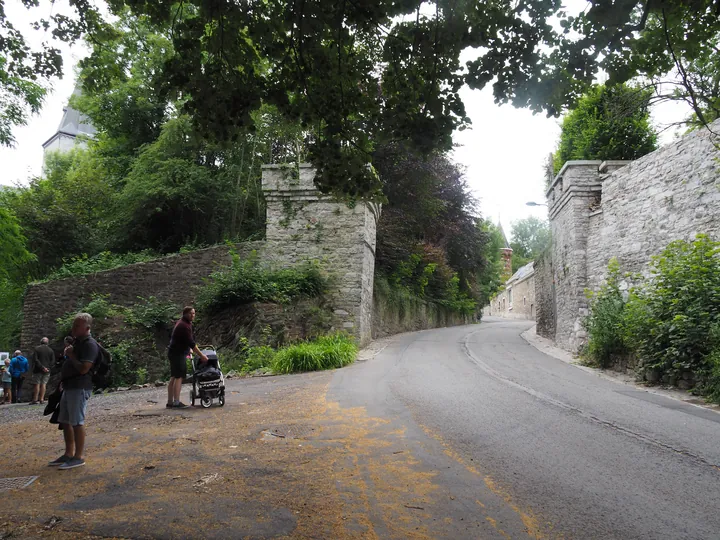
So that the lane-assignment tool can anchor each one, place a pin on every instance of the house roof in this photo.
(522, 273)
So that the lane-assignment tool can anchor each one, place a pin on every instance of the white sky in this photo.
(503, 153)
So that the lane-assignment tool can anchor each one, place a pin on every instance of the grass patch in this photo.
(327, 352)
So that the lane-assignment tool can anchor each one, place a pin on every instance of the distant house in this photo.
(73, 131)
(517, 300)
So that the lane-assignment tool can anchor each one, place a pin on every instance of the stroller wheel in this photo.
(221, 400)
(192, 398)
(206, 402)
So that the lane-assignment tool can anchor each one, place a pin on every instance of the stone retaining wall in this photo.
(628, 210)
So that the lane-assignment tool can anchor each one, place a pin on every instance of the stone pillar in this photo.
(575, 191)
(303, 225)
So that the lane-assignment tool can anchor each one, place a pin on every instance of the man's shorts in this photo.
(73, 404)
(40, 378)
(178, 365)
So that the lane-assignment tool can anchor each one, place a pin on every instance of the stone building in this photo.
(72, 132)
(628, 210)
(517, 299)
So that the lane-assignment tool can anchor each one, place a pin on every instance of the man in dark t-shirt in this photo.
(76, 379)
(43, 358)
(182, 341)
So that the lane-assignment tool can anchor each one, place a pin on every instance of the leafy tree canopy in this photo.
(355, 73)
(609, 122)
(530, 236)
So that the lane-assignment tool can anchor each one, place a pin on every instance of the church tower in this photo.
(506, 254)
(74, 127)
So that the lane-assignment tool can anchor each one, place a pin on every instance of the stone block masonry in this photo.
(629, 210)
(302, 225)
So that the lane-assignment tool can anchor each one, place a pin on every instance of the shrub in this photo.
(258, 358)
(245, 281)
(681, 302)
(671, 321)
(604, 324)
(98, 307)
(83, 264)
(141, 375)
(151, 313)
(123, 371)
(326, 352)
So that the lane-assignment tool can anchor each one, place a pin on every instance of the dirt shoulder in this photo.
(153, 472)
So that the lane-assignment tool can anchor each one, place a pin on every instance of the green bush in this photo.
(124, 372)
(245, 281)
(326, 352)
(82, 264)
(604, 324)
(151, 313)
(681, 306)
(98, 307)
(258, 358)
(671, 320)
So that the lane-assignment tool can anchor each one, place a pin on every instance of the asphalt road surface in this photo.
(519, 443)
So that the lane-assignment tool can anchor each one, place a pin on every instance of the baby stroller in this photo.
(208, 382)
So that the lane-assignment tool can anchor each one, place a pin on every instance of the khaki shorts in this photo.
(40, 378)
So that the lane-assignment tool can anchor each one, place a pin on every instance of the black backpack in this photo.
(101, 368)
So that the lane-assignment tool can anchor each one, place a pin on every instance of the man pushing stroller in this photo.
(182, 342)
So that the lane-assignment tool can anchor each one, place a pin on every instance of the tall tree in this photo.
(609, 122)
(24, 72)
(530, 236)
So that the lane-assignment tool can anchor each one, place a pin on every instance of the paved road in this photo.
(513, 442)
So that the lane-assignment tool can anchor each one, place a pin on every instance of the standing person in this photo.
(182, 341)
(6, 381)
(43, 358)
(76, 378)
(18, 368)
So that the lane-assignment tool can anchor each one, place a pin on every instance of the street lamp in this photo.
(531, 203)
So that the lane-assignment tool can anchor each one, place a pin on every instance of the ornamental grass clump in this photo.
(327, 352)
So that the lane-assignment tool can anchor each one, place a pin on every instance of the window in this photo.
(510, 296)
(523, 300)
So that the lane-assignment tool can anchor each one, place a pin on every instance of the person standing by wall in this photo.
(6, 381)
(182, 341)
(43, 359)
(76, 379)
(18, 368)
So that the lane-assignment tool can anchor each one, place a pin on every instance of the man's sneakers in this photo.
(176, 405)
(64, 462)
(72, 463)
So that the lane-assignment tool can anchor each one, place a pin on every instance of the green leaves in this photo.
(244, 282)
(609, 122)
(671, 320)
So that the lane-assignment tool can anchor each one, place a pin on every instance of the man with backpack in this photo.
(76, 379)
(43, 358)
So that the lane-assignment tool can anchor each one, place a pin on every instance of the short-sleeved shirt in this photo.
(182, 339)
(6, 377)
(44, 356)
(18, 366)
(86, 350)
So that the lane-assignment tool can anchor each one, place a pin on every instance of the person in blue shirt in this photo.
(19, 366)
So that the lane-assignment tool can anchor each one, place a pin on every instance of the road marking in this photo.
(565, 406)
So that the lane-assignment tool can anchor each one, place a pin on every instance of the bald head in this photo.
(44, 341)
